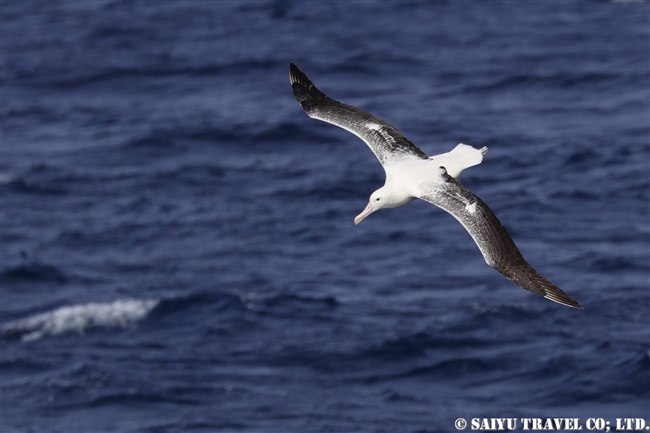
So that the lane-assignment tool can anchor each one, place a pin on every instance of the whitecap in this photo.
(79, 318)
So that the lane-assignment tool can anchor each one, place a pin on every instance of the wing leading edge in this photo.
(491, 237)
(386, 142)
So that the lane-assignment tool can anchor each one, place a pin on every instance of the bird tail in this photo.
(460, 158)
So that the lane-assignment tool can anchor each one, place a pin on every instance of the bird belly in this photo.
(405, 181)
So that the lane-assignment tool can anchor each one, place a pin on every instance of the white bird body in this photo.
(410, 175)
(404, 178)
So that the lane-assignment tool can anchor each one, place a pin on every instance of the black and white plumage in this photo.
(383, 139)
(410, 175)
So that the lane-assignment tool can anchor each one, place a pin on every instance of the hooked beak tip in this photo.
(367, 211)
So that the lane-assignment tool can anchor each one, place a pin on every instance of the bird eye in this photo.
(377, 199)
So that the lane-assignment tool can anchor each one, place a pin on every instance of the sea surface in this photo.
(178, 252)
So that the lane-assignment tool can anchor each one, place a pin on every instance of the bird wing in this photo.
(494, 241)
(384, 140)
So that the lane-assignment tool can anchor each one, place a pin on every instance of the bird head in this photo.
(378, 200)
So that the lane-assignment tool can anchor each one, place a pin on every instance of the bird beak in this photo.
(367, 211)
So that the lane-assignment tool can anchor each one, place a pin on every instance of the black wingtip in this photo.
(303, 89)
(297, 76)
(560, 297)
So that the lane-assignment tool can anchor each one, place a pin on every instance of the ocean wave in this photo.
(6, 178)
(290, 305)
(79, 319)
(21, 185)
(73, 78)
(560, 79)
(33, 272)
(163, 139)
(610, 263)
(216, 302)
(447, 369)
(193, 174)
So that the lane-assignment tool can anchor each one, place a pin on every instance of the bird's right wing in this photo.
(384, 140)
(494, 241)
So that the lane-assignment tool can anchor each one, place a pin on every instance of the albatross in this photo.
(411, 175)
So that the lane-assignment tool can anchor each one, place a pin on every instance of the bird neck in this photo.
(394, 197)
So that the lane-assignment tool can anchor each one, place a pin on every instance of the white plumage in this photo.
(410, 175)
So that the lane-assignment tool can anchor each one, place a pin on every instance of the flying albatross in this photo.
(410, 175)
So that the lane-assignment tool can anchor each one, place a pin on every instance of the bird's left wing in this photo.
(386, 142)
(494, 241)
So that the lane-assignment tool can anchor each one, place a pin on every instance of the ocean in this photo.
(178, 252)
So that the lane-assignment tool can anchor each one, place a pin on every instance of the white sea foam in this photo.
(79, 318)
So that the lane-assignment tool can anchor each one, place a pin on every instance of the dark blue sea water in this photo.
(178, 247)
